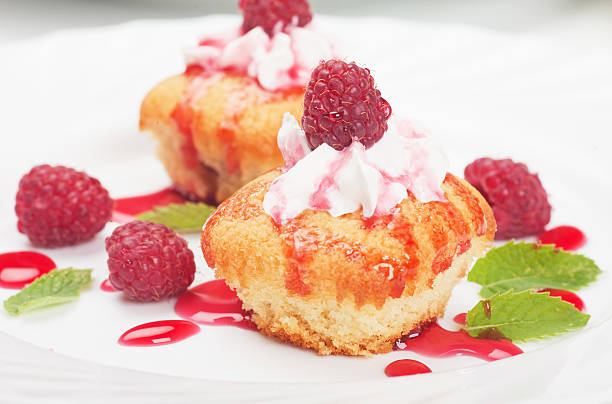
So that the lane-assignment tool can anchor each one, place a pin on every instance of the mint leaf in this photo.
(523, 315)
(182, 217)
(521, 266)
(55, 287)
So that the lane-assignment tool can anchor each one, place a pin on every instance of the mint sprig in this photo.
(55, 287)
(522, 266)
(523, 315)
(183, 217)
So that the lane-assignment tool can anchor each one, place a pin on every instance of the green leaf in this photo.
(521, 266)
(56, 287)
(524, 315)
(182, 217)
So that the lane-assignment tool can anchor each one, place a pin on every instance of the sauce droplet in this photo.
(18, 269)
(567, 296)
(437, 342)
(460, 318)
(486, 305)
(213, 303)
(567, 237)
(158, 333)
(126, 208)
(406, 367)
(386, 107)
(107, 286)
(335, 116)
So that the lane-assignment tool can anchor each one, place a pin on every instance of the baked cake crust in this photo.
(347, 285)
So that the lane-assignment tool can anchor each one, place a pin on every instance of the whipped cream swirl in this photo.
(282, 61)
(340, 182)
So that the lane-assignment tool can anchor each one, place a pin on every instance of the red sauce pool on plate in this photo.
(437, 342)
(406, 367)
(107, 286)
(158, 333)
(18, 269)
(567, 237)
(567, 296)
(126, 208)
(213, 303)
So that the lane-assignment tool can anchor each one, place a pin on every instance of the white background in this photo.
(26, 18)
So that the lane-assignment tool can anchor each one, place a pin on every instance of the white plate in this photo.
(72, 98)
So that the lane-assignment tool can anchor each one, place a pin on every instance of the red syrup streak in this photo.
(213, 303)
(566, 296)
(567, 237)
(194, 70)
(107, 286)
(319, 199)
(406, 367)
(437, 342)
(460, 318)
(126, 208)
(18, 269)
(182, 115)
(225, 133)
(158, 333)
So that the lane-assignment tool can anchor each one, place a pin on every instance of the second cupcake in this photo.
(216, 123)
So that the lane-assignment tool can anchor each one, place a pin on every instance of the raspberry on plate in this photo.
(59, 206)
(517, 196)
(268, 13)
(342, 104)
(148, 261)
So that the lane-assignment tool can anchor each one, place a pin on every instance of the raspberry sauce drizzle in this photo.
(319, 199)
(158, 333)
(126, 208)
(17, 269)
(566, 296)
(569, 238)
(213, 303)
(406, 367)
(107, 286)
(437, 342)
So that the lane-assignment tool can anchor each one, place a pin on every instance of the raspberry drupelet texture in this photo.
(268, 13)
(59, 206)
(148, 261)
(342, 104)
(518, 199)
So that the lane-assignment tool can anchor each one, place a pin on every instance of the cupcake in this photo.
(360, 237)
(216, 123)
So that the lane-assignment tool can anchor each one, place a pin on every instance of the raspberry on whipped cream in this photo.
(281, 61)
(342, 104)
(343, 181)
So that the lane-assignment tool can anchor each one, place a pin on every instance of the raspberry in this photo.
(59, 206)
(268, 13)
(148, 261)
(516, 196)
(342, 105)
